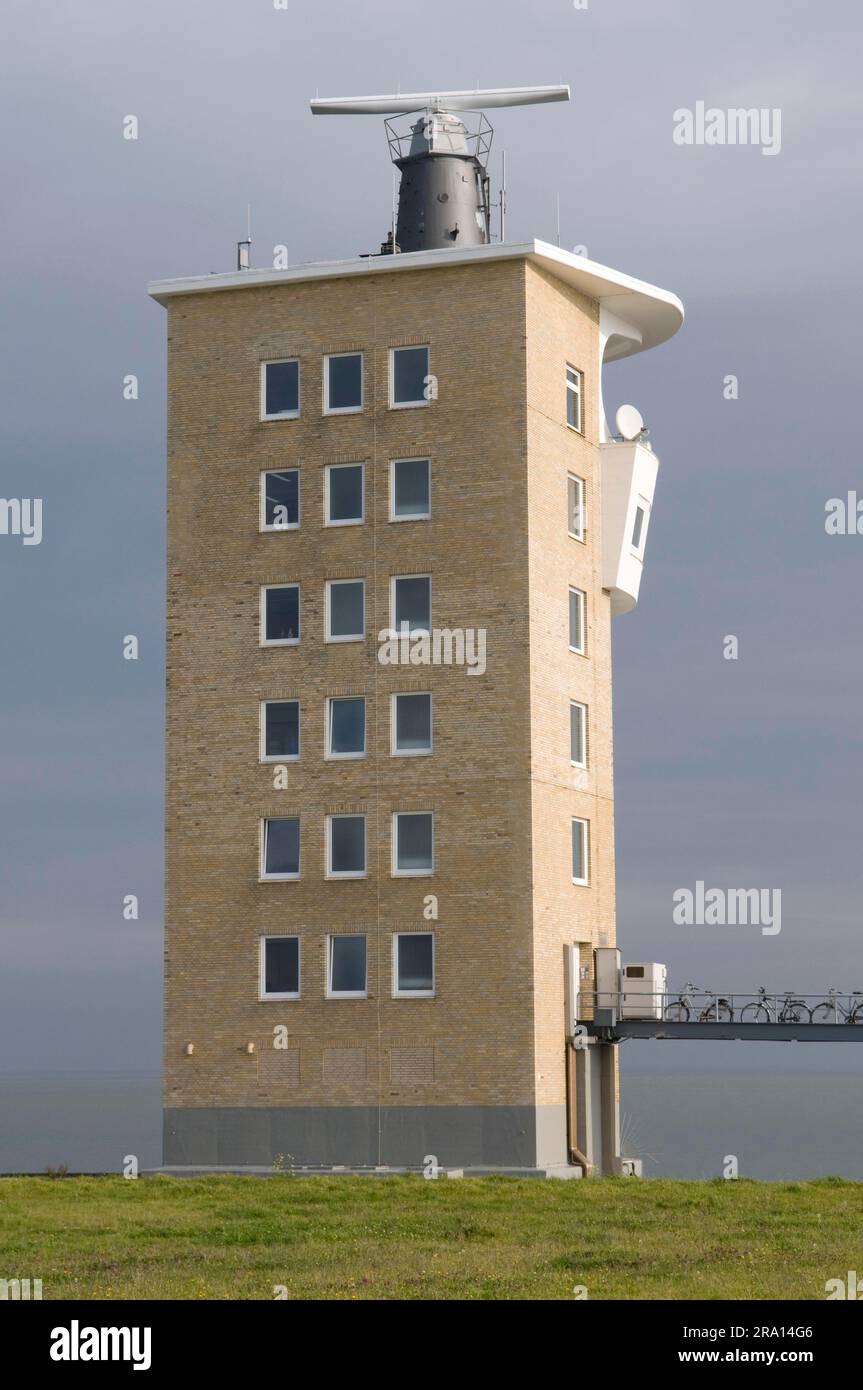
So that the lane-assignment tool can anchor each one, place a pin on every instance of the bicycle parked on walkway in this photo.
(767, 1009)
(716, 1010)
(834, 1011)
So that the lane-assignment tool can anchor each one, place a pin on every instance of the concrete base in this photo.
(479, 1138)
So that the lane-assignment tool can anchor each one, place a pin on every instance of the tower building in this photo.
(399, 527)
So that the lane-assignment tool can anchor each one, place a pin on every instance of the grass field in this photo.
(405, 1237)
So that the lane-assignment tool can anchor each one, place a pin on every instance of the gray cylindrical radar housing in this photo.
(442, 200)
(441, 203)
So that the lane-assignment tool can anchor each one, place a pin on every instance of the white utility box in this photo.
(643, 987)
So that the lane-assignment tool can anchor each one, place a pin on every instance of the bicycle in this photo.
(794, 1009)
(829, 1011)
(716, 1010)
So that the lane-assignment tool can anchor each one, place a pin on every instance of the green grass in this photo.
(405, 1237)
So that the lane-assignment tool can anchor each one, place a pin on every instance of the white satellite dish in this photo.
(629, 422)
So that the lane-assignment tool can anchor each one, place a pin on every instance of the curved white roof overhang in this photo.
(648, 315)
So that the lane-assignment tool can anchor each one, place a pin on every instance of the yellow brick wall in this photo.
(477, 782)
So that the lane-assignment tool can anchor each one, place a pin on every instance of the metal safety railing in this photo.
(694, 1005)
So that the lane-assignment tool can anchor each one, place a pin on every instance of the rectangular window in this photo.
(411, 718)
(280, 848)
(409, 373)
(280, 730)
(346, 727)
(577, 630)
(410, 489)
(576, 515)
(639, 526)
(580, 850)
(577, 734)
(347, 967)
(343, 494)
(574, 401)
(413, 965)
(345, 610)
(346, 846)
(280, 500)
(280, 967)
(411, 602)
(343, 383)
(413, 843)
(280, 615)
(280, 390)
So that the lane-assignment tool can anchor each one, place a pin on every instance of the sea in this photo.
(784, 1125)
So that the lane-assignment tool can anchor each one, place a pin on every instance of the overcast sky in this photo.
(740, 774)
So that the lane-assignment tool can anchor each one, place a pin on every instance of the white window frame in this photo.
(279, 878)
(344, 409)
(581, 489)
(262, 967)
(262, 520)
(329, 755)
(395, 751)
(352, 521)
(282, 414)
(347, 637)
(576, 390)
(266, 757)
(582, 650)
(407, 405)
(580, 705)
(412, 993)
(641, 504)
(347, 993)
(266, 641)
(585, 844)
(411, 516)
(411, 873)
(332, 873)
(414, 632)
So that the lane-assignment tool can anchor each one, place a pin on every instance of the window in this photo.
(346, 846)
(577, 600)
(411, 602)
(347, 967)
(343, 494)
(577, 734)
(410, 489)
(345, 605)
(411, 720)
(346, 727)
(280, 390)
(639, 527)
(413, 965)
(413, 843)
(580, 850)
(280, 500)
(575, 508)
(280, 730)
(574, 394)
(343, 383)
(280, 848)
(280, 615)
(280, 967)
(409, 371)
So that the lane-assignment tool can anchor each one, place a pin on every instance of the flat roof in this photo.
(655, 313)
